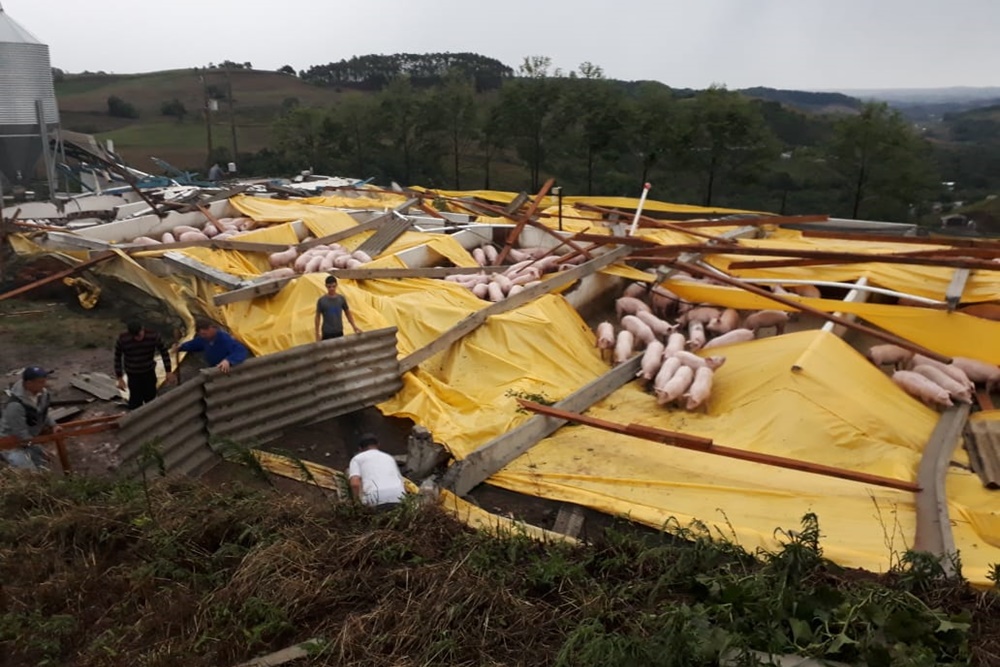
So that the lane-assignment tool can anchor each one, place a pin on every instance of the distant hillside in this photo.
(808, 101)
(258, 97)
(931, 104)
(978, 125)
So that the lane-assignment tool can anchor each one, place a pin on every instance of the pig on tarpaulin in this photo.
(763, 319)
(919, 387)
(882, 355)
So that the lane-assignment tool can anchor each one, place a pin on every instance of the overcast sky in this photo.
(803, 44)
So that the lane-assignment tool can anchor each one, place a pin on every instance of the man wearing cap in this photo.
(374, 476)
(25, 416)
(135, 356)
(220, 349)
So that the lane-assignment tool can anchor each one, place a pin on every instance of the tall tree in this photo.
(592, 114)
(528, 106)
(724, 136)
(492, 137)
(302, 134)
(452, 110)
(884, 165)
(651, 127)
(400, 111)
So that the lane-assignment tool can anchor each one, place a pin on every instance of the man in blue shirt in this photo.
(220, 349)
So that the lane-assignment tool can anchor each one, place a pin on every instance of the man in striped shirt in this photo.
(137, 348)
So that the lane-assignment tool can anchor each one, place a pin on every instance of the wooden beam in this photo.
(490, 458)
(201, 270)
(819, 258)
(59, 275)
(795, 305)
(345, 233)
(525, 217)
(252, 291)
(473, 321)
(934, 533)
(284, 656)
(684, 441)
(953, 295)
(419, 272)
(226, 244)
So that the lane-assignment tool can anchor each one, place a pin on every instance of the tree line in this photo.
(598, 136)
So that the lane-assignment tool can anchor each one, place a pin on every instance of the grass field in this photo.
(258, 97)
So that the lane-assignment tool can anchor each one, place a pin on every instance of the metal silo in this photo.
(29, 117)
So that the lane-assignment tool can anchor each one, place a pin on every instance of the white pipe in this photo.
(856, 295)
(638, 211)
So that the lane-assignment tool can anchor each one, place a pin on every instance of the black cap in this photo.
(34, 373)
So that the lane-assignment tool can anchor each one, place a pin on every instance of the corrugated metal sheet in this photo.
(265, 395)
(386, 234)
(303, 385)
(26, 76)
(983, 443)
(175, 424)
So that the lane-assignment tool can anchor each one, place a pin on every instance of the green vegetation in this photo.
(465, 121)
(109, 573)
(119, 108)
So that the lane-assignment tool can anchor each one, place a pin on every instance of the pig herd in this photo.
(231, 227)
(668, 361)
(530, 264)
(934, 383)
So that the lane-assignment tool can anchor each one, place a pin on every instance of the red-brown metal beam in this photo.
(523, 220)
(684, 441)
(696, 270)
(828, 257)
(890, 238)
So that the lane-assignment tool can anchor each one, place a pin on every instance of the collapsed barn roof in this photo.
(467, 361)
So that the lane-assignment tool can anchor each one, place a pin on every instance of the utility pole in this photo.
(208, 119)
(232, 114)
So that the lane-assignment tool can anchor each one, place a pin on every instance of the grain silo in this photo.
(29, 117)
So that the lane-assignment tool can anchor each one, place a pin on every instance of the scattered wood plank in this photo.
(100, 385)
(59, 414)
(201, 270)
(684, 441)
(694, 269)
(489, 459)
(892, 238)
(59, 275)
(473, 321)
(386, 235)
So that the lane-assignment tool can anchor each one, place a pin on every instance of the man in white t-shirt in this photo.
(374, 476)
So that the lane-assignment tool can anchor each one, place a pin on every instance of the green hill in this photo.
(258, 97)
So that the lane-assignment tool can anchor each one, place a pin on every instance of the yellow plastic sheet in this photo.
(951, 334)
(926, 281)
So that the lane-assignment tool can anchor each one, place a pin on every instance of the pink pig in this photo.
(955, 389)
(667, 370)
(881, 355)
(675, 343)
(605, 336)
(696, 335)
(659, 327)
(919, 387)
(639, 329)
(978, 371)
(732, 338)
(767, 318)
(676, 386)
(652, 360)
(700, 390)
(624, 346)
(629, 306)
(729, 320)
